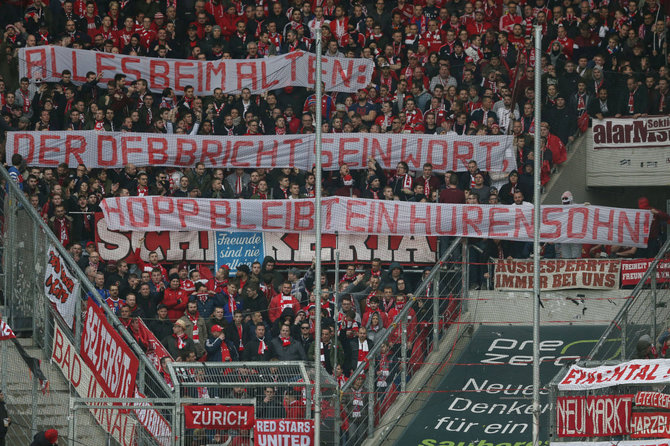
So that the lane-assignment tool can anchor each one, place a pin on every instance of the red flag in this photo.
(6, 331)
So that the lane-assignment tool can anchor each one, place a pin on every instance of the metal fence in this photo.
(276, 389)
(646, 312)
(401, 350)
(25, 241)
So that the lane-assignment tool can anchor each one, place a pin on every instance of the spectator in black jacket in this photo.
(257, 349)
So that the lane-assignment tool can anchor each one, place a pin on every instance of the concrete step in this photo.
(52, 406)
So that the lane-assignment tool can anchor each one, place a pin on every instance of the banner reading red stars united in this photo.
(562, 224)
(296, 69)
(116, 149)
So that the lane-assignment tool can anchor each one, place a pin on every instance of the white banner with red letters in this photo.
(108, 355)
(297, 69)
(116, 149)
(60, 286)
(572, 224)
(116, 422)
(557, 274)
(647, 371)
(287, 249)
(281, 431)
(593, 416)
(652, 399)
(219, 417)
(633, 270)
(630, 133)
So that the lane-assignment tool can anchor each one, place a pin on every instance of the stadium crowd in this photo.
(442, 67)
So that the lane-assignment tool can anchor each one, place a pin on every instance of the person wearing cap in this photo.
(563, 120)
(218, 348)
(45, 438)
(178, 342)
(568, 250)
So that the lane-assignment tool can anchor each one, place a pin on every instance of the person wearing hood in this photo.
(374, 190)
(506, 194)
(568, 250)
(391, 276)
(268, 267)
(645, 348)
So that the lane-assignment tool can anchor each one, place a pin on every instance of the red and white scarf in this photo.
(196, 331)
(362, 352)
(262, 346)
(181, 341)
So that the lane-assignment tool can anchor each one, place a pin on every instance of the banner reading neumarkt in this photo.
(559, 274)
(116, 149)
(560, 224)
(296, 69)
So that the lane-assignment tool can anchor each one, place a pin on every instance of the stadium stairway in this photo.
(52, 404)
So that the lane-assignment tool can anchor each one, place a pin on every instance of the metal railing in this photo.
(25, 241)
(400, 350)
(648, 305)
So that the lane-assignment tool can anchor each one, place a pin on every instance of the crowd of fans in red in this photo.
(442, 67)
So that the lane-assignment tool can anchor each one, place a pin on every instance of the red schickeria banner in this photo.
(219, 417)
(107, 354)
(593, 416)
(297, 69)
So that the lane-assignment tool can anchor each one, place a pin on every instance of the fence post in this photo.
(72, 422)
(436, 310)
(338, 418)
(465, 275)
(371, 398)
(654, 298)
(34, 406)
(10, 264)
(403, 355)
(624, 334)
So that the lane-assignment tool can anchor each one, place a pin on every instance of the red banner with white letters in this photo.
(297, 69)
(561, 224)
(110, 358)
(219, 417)
(593, 416)
(6, 331)
(650, 425)
(116, 149)
(281, 431)
(633, 270)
